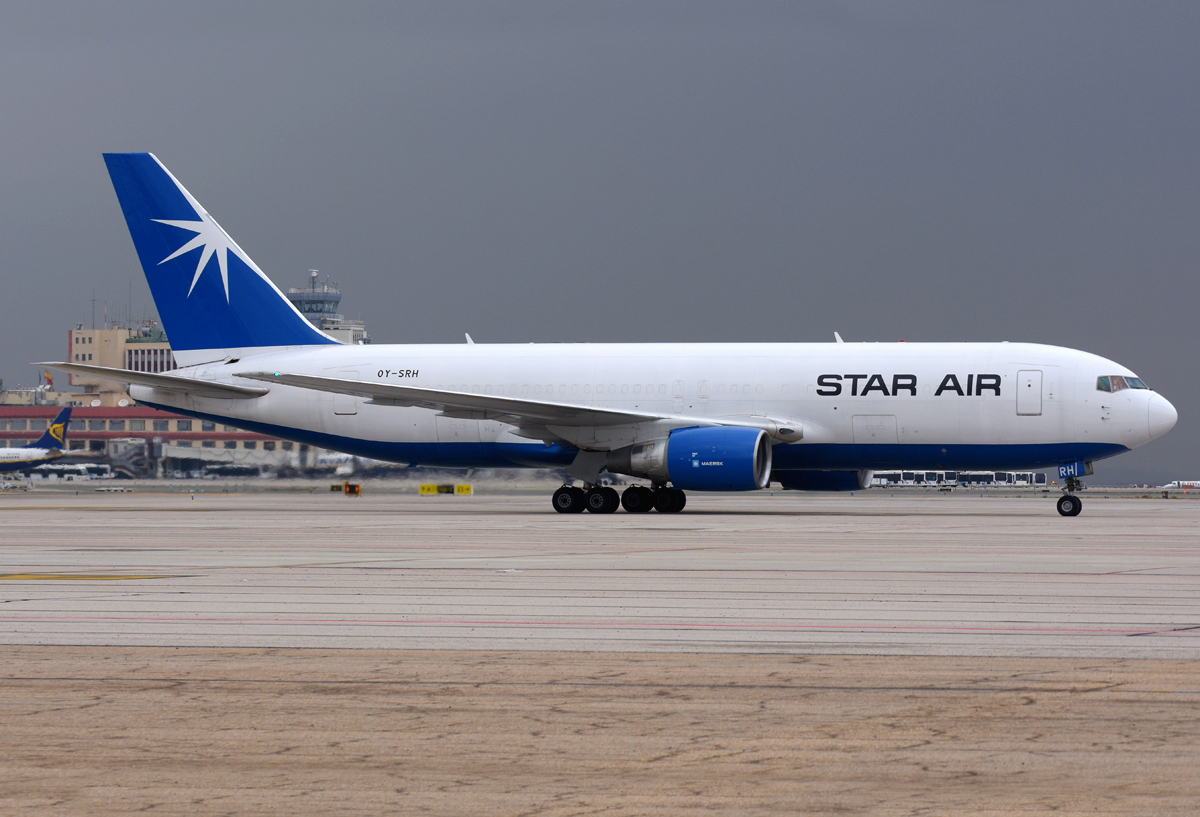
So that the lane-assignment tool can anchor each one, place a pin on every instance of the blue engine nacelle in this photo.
(721, 458)
(822, 480)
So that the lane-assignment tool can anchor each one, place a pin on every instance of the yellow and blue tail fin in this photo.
(56, 435)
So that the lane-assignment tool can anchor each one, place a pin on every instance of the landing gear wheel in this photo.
(601, 500)
(669, 500)
(568, 499)
(1069, 505)
(637, 499)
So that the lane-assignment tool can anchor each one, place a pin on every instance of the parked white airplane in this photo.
(46, 448)
(1181, 484)
(726, 417)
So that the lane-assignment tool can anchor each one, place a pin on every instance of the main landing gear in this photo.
(1068, 504)
(602, 499)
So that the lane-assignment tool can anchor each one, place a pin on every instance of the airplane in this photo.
(46, 448)
(682, 417)
(1180, 484)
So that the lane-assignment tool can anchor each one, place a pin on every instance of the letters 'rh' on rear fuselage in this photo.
(681, 416)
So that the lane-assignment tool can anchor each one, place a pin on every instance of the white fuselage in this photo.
(860, 405)
(13, 459)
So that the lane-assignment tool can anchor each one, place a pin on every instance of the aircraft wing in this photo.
(170, 382)
(478, 406)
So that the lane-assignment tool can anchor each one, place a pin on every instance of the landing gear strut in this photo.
(1068, 504)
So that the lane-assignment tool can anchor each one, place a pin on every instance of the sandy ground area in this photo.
(206, 731)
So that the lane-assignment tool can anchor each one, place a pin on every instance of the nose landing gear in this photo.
(1068, 504)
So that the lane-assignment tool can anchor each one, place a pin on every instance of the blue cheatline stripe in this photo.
(824, 456)
(850, 457)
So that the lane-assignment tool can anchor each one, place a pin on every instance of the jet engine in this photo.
(721, 458)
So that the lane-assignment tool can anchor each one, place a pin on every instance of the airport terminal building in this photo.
(108, 426)
(140, 441)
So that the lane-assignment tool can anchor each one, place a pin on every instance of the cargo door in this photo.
(457, 430)
(1029, 392)
(875, 429)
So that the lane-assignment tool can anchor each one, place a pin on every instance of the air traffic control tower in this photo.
(318, 302)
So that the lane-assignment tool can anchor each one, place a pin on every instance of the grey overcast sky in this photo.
(642, 171)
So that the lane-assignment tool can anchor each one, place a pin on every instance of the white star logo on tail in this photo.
(214, 240)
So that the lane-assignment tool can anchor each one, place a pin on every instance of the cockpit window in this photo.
(1119, 382)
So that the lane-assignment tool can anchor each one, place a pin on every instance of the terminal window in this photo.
(249, 444)
(209, 444)
(37, 425)
(269, 445)
(116, 425)
(137, 425)
(183, 425)
(231, 443)
(95, 425)
(205, 425)
(16, 425)
(161, 425)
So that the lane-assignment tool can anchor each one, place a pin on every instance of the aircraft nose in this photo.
(1161, 415)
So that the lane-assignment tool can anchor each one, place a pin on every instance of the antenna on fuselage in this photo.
(837, 338)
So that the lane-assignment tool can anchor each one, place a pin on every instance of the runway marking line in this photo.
(617, 625)
(79, 577)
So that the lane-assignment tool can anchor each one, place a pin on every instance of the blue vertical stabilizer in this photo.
(209, 293)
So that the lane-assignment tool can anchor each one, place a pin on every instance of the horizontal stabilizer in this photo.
(169, 382)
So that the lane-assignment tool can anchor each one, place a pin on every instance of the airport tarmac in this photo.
(251, 653)
(876, 574)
